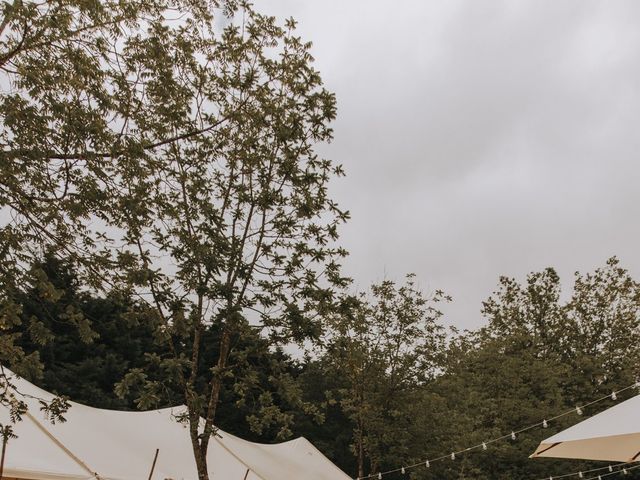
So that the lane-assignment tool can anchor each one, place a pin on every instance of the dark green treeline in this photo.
(386, 386)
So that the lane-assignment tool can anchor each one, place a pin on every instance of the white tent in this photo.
(114, 445)
(611, 435)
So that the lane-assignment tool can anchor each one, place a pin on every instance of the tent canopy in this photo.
(115, 445)
(611, 435)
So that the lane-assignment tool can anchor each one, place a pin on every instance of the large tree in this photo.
(65, 106)
(232, 229)
(167, 149)
(60, 113)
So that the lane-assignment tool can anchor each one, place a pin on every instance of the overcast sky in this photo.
(481, 138)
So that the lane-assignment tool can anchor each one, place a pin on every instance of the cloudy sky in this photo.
(481, 138)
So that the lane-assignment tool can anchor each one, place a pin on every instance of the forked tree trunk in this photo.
(201, 461)
(201, 441)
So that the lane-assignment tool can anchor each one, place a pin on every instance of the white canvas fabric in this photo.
(611, 435)
(113, 445)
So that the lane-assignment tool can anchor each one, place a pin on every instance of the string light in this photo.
(513, 436)
(625, 471)
(581, 474)
(614, 397)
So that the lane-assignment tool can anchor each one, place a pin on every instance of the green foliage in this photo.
(382, 350)
(233, 228)
(537, 357)
(62, 110)
(174, 161)
(258, 403)
(77, 335)
(384, 364)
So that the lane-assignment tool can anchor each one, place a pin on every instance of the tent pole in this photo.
(153, 465)
(60, 445)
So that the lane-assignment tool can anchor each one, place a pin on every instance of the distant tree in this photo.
(333, 435)
(489, 387)
(383, 350)
(80, 362)
(539, 355)
(603, 330)
(596, 332)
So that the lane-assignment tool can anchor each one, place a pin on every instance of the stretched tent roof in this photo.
(114, 445)
(611, 435)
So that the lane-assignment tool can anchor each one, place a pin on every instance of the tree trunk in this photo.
(373, 464)
(201, 460)
(360, 451)
(201, 443)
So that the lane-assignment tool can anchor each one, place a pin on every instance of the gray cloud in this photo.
(481, 138)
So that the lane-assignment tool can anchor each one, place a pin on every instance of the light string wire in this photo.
(600, 477)
(582, 473)
(512, 435)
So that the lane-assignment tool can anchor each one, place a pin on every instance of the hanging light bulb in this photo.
(578, 410)
(427, 464)
(599, 477)
(484, 446)
(544, 424)
(379, 476)
(624, 470)
(614, 397)
(453, 455)
(610, 468)
(513, 435)
(402, 470)
(550, 478)
(580, 475)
